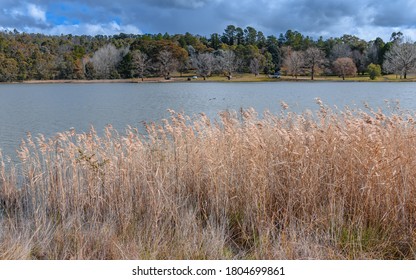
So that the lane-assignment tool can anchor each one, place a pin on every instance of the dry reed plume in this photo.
(330, 185)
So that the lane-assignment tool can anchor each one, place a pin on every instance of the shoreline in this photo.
(219, 79)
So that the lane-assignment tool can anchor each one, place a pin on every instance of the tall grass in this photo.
(330, 185)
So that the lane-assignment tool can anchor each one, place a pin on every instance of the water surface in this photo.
(51, 108)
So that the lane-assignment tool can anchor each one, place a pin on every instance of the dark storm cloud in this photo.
(394, 13)
(313, 17)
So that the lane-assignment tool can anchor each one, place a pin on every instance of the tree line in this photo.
(42, 57)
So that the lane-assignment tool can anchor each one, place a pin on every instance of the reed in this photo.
(327, 185)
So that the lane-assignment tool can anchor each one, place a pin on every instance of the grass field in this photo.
(236, 78)
(334, 185)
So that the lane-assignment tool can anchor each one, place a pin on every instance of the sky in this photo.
(367, 19)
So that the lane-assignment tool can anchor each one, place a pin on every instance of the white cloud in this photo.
(110, 28)
(107, 29)
(28, 10)
(36, 12)
(15, 12)
(372, 32)
(183, 4)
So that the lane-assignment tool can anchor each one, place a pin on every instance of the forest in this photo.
(26, 56)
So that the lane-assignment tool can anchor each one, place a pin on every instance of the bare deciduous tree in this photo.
(204, 63)
(345, 66)
(140, 63)
(401, 58)
(314, 59)
(227, 62)
(340, 50)
(183, 65)
(390, 66)
(105, 60)
(167, 63)
(256, 64)
(294, 62)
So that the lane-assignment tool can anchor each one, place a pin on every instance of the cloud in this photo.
(108, 29)
(36, 12)
(187, 4)
(88, 29)
(323, 17)
(310, 17)
(394, 13)
(26, 10)
(19, 14)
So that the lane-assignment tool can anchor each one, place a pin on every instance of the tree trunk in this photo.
(312, 72)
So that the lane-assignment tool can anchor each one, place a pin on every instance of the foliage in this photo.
(39, 57)
(8, 69)
(374, 70)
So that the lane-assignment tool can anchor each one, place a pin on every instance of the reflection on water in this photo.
(48, 109)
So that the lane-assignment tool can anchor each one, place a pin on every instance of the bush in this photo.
(374, 70)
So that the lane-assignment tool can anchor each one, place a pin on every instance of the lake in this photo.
(51, 108)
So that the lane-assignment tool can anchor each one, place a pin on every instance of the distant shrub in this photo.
(374, 71)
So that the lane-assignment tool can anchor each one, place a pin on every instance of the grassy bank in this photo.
(236, 78)
(265, 78)
(340, 185)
